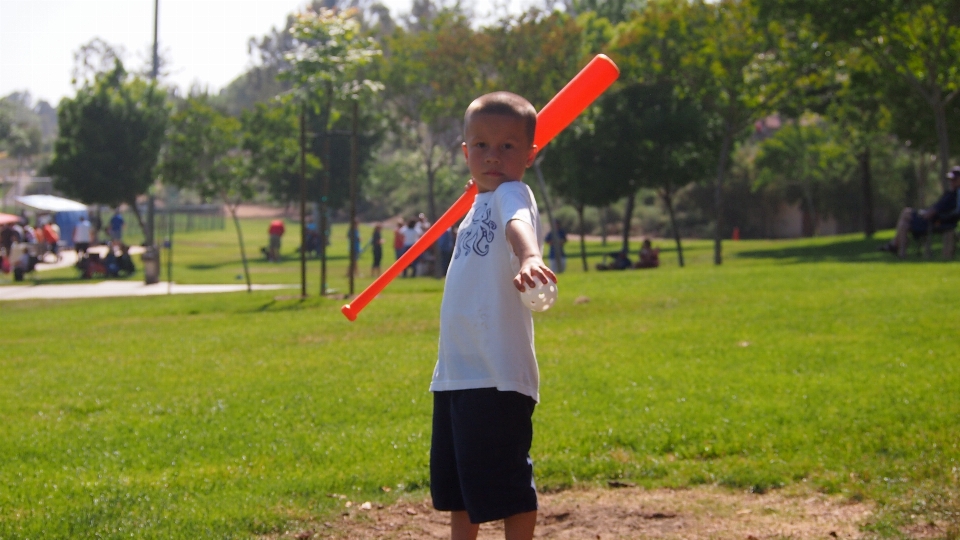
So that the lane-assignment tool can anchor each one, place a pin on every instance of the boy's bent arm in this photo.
(523, 241)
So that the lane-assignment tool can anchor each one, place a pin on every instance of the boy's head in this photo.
(498, 131)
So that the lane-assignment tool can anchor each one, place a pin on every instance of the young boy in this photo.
(486, 381)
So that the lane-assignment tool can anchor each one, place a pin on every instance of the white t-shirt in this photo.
(410, 236)
(486, 333)
(81, 233)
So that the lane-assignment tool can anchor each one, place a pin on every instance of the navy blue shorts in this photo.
(480, 453)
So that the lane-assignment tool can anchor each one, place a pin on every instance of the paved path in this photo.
(118, 288)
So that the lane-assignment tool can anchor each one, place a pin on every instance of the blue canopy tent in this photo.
(67, 213)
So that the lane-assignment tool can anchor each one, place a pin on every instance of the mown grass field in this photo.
(813, 363)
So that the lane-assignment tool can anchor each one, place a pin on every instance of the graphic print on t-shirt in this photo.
(478, 234)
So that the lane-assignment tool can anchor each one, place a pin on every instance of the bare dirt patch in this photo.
(704, 512)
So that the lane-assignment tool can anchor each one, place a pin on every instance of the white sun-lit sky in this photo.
(205, 41)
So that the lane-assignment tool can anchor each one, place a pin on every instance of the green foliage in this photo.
(271, 135)
(204, 153)
(330, 51)
(536, 55)
(917, 42)
(110, 138)
(805, 161)
(21, 135)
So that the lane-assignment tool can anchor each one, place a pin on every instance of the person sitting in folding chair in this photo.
(939, 218)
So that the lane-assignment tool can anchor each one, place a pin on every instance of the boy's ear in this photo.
(464, 147)
(532, 155)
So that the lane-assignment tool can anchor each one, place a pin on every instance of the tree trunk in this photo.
(811, 209)
(432, 206)
(718, 192)
(922, 173)
(583, 233)
(668, 200)
(243, 250)
(555, 240)
(943, 142)
(432, 209)
(627, 218)
(136, 212)
(322, 226)
(303, 202)
(867, 185)
(603, 226)
(354, 166)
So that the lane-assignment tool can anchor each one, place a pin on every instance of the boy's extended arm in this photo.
(523, 240)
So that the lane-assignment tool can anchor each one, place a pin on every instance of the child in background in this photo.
(649, 256)
(486, 381)
(376, 242)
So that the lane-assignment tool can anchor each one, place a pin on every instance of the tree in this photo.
(109, 141)
(572, 167)
(651, 138)
(432, 71)
(730, 44)
(271, 134)
(327, 63)
(21, 135)
(804, 160)
(204, 153)
(916, 42)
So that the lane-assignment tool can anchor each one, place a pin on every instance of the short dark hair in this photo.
(507, 104)
(954, 173)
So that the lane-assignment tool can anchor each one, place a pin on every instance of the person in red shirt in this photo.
(275, 231)
(50, 237)
(398, 238)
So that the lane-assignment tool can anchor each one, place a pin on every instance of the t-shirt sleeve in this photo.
(515, 203)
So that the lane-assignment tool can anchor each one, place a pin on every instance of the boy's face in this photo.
(497, 149)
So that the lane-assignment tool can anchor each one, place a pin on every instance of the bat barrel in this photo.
(576, 96)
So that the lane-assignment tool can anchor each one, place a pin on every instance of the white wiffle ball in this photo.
(541, 297)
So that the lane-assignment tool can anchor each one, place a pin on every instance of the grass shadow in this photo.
(845, 251)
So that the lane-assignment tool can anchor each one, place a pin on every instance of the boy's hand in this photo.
(532, 270)
(523, 240)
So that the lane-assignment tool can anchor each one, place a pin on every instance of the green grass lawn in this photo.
(814, 362)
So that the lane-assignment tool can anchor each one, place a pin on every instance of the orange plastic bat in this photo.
(576, 96)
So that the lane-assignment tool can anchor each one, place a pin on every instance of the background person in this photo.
(116, 226)
(275, 232)
(376, 242)
(82, 236)
(398, 238)
(411, 233)
(557, 264)
(649, 256)
(944, 213)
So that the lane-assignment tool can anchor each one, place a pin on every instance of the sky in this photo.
(204, 40)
